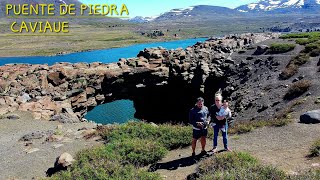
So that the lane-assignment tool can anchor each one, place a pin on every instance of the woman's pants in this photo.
(216, 129)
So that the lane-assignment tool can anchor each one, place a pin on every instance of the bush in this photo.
(315, 149)
(297, 89)
(306, 41)
(289, 71)
(281, 48)
(102, 163)
(138, 152)
(236, 165)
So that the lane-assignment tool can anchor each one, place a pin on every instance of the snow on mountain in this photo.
(270, 5)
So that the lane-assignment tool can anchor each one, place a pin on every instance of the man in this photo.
(198, 118)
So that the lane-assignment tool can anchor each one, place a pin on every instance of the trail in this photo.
(284, 147)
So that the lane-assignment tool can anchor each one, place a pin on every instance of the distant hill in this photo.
(197, 13)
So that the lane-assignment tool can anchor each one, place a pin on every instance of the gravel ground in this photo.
(17, 163)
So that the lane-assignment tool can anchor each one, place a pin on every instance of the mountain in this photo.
(197, 13)
(282, 6)
(140, 19)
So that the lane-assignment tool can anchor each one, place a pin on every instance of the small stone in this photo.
(56, 146)
(32, 150)
(13, 117)
(315, 165)
(308, 94)
(66, 140)
(59, 127)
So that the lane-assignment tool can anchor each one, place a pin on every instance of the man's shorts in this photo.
(199, 133)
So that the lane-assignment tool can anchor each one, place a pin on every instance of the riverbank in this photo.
(80, 38)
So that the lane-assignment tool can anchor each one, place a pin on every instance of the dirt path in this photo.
(25, 162)
(284, 147)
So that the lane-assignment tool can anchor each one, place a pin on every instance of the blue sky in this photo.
(156, 7)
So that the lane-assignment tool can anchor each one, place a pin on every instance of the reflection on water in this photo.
(119, 111)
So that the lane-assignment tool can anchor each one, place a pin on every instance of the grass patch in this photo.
(277, 48)
(237, 165)
(129, 147)
(297, 89)
(102, 163)
(241, 127)
(306, 41)
(241, 165)
(309, 35)
(315, 149)
(170, 136)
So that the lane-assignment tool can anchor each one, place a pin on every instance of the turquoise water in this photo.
(119, 111)
(105, 55)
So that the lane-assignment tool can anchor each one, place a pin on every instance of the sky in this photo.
(148, 8)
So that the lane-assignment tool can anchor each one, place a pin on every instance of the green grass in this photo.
(308, 35)
(277, 48)
(170, 136)
(237, 165)
(129, 147)
(241, 127)
(241, 165)
(315, 149)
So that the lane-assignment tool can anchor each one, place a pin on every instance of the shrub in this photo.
(306, 41)
(297, 89)
(289, 71)
(301, 59)
(315, 149)
(115, 161)
(310, 47)
(138, 152)
(170, 136)
(281, 48)
(236, 165)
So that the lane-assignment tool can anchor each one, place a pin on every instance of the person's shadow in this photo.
(182, 162)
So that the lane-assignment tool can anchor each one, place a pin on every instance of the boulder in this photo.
(310, 117)
(56, 78)
(65, 118)
(64, 160)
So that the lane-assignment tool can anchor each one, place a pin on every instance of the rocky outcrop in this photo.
(156, 79)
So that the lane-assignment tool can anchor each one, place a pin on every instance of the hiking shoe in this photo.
(204, 152)
(214, 149)
(228, 149)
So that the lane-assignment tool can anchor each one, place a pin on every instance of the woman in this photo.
(220, 123)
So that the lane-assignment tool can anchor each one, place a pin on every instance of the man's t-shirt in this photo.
(198, 115)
